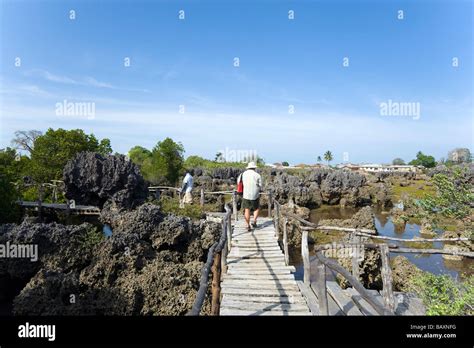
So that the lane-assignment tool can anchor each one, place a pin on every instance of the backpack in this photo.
(240, 185)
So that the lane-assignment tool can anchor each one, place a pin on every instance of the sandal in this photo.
(254, 224)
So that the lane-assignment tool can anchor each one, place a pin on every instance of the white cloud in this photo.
(90, 81)
(50, 76)
(295, 138)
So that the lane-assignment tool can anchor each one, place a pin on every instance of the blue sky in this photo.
(282, 62)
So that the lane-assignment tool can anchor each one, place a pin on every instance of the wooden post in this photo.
(224, 257)
(285, 241)
(216, 284)
(355, 257)
(229, 231)
(269, 204)
(320, 287)
(54, 197)
(305, 256)
(387, 290)
(234, 206)
(277, 221)
(40, 202)
(202, 198)
(68, 208)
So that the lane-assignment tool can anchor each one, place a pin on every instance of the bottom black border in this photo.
(242, 330)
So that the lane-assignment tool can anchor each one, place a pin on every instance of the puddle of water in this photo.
(107, 230)
(385, 227)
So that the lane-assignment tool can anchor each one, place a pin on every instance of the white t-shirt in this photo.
(252, 184)
(188, 180)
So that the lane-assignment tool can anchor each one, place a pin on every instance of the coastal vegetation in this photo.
(163, 164)
(443, 295)
(421, 159)
(328, 156)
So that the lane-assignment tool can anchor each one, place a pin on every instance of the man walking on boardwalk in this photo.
(187, 187)
(252, 183)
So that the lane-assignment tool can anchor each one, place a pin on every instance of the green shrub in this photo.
(89, 240)
(9, 210)
(452, 198)
(171, 205)
(442, 295)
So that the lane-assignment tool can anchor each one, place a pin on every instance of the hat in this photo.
(251, 165)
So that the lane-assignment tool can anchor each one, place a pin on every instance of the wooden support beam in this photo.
(370, 234)
(305, 256)
(40, 202)
(277, 220)
(320, 287)
(201, 294)
(469, 254)
(229, 231)
(216, 284)
(356, 284)
(234, 206)
(285, 241)
(387, 290)
(270, 202)
(224, 258)
(355, 258)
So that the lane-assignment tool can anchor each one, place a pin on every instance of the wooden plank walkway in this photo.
(78, 209)
(257, 281)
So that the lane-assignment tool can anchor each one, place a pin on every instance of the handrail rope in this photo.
(214, 249)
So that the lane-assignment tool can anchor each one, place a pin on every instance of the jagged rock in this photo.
(59, 246)
(427, 228)
(369, 269)
(226, 173)
(364, 218)
(310, 188)
(340, 184)
(92, 179)
(403, 272)
(149, 266)
(467, 171)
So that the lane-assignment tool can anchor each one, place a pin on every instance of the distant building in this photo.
(348, 166)
(380, 168)
(319, 165)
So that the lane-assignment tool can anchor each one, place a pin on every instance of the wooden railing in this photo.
(320, 262)
(217, 263)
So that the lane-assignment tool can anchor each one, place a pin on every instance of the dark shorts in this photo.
(252, 205)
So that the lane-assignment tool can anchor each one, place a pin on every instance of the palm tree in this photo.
(319, 159)
(219, 157)
(328, 156)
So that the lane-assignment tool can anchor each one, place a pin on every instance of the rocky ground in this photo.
(307, 188)
(92, 179)
(149, 266)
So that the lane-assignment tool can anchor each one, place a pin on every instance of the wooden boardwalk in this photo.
(78, 209)
(258, 282)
